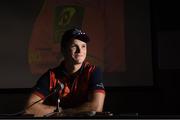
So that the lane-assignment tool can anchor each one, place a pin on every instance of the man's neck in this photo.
(72, 68)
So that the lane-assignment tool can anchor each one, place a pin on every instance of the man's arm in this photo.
(39, 109)
(95, 103)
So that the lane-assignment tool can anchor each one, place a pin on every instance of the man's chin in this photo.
(78, 62)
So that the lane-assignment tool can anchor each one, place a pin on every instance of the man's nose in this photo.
(78, 50)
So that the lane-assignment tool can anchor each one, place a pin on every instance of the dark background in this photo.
(125, 44)
(161, 98)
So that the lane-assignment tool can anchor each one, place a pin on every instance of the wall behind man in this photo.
(122, 39)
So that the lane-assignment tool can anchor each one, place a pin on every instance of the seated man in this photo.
(75, 81)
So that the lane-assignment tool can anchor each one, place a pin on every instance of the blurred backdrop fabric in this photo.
(96, 18)
(119, 31)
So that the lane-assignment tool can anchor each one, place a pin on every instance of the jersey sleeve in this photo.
(42, 85)
(96, 79)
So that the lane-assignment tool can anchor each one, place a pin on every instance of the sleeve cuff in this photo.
(100, 91)
(39, 94)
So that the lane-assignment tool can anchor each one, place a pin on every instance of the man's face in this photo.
(76, 51)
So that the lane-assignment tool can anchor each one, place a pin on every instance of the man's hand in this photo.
(38, 109)
(95, 103)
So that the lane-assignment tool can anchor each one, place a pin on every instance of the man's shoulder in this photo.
(93, 67)
(87, 64)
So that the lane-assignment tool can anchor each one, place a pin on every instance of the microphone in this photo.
(58, 100)
(59, 86)
(57, 110)
(57, 89)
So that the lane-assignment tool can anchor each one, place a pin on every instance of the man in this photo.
(76, 82)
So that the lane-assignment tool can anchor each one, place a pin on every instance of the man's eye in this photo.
(84, 46)
(73, 47)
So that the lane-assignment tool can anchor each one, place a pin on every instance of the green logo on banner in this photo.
(65, 18)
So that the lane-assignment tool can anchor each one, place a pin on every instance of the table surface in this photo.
(99, 115)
